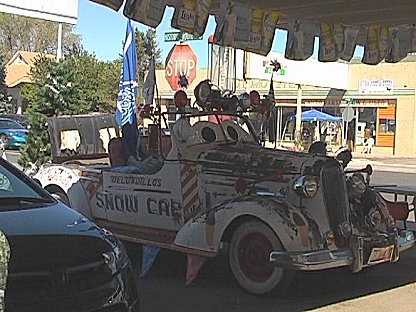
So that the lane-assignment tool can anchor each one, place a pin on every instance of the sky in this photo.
(103, 29)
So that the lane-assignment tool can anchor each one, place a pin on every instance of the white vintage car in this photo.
(277, 211)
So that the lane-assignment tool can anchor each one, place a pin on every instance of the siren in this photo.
(180, 99)
(254, 98)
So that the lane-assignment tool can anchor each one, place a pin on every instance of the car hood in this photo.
(51, 236)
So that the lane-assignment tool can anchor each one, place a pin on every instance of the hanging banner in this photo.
(148, 12)
(400, 43)
(300, 40)
(413, 34)
(112, 4)
(371, 48)
(226, 23)
(254, 41)
(270, 19)
(350, 41)
(243, 25)
(383, 41)
(327, 48)
(339, 37)
(191, 16)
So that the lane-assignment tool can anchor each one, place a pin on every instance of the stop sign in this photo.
(181, 60)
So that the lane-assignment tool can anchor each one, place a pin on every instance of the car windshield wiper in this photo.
(25, 200)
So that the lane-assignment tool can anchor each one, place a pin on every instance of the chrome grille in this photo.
(335, 195)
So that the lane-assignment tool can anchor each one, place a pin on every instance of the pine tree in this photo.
(54, 92)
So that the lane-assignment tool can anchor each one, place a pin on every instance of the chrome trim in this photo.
(315, 260)
(328, 259)
(406, 240)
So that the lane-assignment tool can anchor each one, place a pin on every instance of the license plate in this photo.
(381, 254)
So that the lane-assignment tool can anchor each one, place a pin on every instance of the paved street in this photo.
(387, 287)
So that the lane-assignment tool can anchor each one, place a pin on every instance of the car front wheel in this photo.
(249, 258)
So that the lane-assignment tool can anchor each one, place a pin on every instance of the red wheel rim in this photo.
(254, 257)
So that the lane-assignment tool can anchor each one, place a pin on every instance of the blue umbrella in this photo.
(315, 115)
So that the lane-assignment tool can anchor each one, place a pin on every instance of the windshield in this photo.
(18, 189)
(10, 124)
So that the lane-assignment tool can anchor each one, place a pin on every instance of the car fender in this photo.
(295, 228)
(68, 180)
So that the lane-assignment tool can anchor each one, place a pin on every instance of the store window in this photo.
(387, 126)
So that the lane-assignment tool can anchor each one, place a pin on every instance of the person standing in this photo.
(351, 135)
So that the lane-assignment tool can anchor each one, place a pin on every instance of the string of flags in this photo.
(149, 254)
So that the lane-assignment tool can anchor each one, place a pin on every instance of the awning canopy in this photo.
(385, 28)
(315, 115)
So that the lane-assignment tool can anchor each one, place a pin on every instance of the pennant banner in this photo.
(193, 267)
(149, 254)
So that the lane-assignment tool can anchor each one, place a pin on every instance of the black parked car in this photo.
(60, 261)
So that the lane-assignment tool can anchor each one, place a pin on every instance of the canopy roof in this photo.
(385, 27)
(315, 115)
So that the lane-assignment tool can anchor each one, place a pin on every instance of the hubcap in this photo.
(254, 257)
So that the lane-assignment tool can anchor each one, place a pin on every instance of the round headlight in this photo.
(307, 186)
(202, 92)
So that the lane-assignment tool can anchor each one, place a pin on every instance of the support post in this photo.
(59, 48)
(298, 114)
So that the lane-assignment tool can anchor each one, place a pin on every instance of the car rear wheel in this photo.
(249, 258)
(60, 195)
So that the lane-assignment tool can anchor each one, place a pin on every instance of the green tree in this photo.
(55, 91)
(5, 105)
(78, 84)
(97, 81)
(35, 35)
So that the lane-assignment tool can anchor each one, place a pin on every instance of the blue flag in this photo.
(126, 99)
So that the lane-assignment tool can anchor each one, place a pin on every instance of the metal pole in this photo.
(298, 113)
(59, 49)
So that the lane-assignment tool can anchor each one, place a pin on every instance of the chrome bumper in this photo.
(327, 259)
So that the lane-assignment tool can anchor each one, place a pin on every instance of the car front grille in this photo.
(335, 196)
(59, 289)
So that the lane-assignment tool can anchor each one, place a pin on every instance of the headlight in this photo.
(117, 257)
(307, 186)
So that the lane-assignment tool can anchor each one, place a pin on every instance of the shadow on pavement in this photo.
(215, 289)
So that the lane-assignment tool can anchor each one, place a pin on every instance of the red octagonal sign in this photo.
(181, 60)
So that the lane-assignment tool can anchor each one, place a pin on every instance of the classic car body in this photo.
(277, 210)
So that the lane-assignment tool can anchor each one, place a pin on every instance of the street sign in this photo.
(348, 101)
(181, 60)
(348, 114)
(180, 36)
